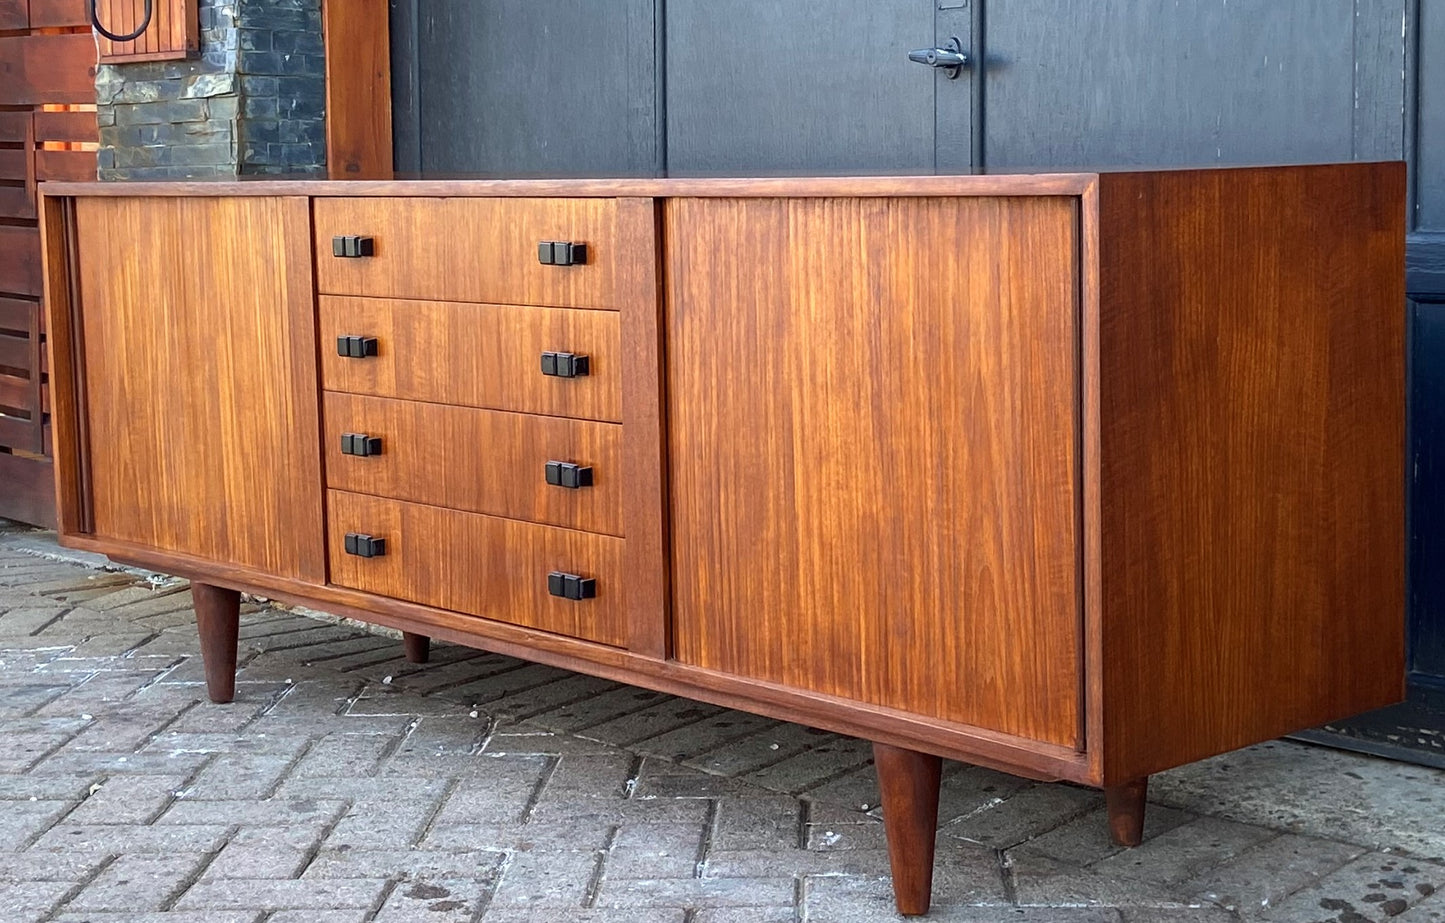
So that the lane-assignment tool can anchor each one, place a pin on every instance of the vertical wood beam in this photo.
(358, 89)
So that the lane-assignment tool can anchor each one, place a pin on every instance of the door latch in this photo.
(951, 57)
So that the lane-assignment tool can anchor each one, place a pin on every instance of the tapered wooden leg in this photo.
(218, 620)
(418, 647)
(1126, 811)
(909, 781)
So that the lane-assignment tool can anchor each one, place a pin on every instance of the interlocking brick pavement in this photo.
(345, 785)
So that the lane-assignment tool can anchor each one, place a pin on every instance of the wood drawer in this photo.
(479, 565)
(470, 249)
(479, 355)
(485, 461)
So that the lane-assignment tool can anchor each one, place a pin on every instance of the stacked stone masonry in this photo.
(251, 103)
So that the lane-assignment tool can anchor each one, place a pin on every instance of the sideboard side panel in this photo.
(1252, 405)
(872, 448)
(197, 319)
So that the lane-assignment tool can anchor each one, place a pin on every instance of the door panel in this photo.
(519, 88)
(1087, 83)
(200, 376)
(824, 400)
(761, 87)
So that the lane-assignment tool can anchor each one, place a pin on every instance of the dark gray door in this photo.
(525, 88)
(768, 87)
(1123, 82)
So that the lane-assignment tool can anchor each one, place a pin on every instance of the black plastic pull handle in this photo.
(350, 247)
(565, 365)
(571, 586)
(365, 546)
(360, 444)
(568, 475)
(561, 253)
(354, 347)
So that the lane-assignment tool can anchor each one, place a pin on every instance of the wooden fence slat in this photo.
(15, 313)
(58, 14)
(16, 202)
(20, 262)
(13, 164)
(30, 493)
(173, 32)
(39, 69)
(14, 392)
(15, 354)
(18, 433)
(79, 166)
(14, 14)
(13, 128)
(66, 126)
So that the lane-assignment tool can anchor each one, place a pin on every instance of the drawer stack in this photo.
(472, 406)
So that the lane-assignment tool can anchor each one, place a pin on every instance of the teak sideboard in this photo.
(1078, 476)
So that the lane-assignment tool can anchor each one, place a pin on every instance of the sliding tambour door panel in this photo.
(874, 462)
(200, 378)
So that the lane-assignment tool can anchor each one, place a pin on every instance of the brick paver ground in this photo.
(345, 785)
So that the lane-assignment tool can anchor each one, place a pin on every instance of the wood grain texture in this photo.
(173, 34)
(470, 250)
(639, 286)
(66, 359)
(873, 453)
(761, 187)
(478, 460)
(908, 782)
(47, 68)
(480, 565)
(478, 355)
(199, 381)
(1252, 349)
(358, 89)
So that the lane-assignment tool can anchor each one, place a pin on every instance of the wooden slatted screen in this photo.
(174, 30)
(47, 131)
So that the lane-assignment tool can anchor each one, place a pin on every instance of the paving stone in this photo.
(502, 791)
(319, 916)
(1184, 851)
(600, 709)
(283, 894)
(759, 822)
(786, 914)
(1176, 915)
(710, 734)
(24, 821)
(690, 892)
(754, 863)
(378, 699)
(1029, 813)
(437, 900)
(811, 768)
(128, 800)
(107, 839)
(126, 916)
(762, 748)
(139, 883)
(1086, 840)
(656, 851)
(241, 861)
(24, 749)
(1260, 878)
(477, 863)
(505, 914)
(389, 823)
(32, 900)
(48, 865)
(1040, 880)
(271, 812)
(1373, 887)
(559, 692)
(666, 714)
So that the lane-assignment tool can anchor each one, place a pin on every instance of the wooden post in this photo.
(358, 89)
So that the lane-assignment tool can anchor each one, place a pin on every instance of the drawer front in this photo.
(469, 249)
(479, 355)
(479, 565)
(484, 461)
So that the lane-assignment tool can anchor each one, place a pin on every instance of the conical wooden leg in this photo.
(909, 781)
(417, 647)
(218, 620)
(1126, 811)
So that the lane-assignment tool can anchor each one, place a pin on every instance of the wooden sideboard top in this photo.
(1074, 183)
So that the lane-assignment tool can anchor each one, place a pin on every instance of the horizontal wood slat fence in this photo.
(47, 132)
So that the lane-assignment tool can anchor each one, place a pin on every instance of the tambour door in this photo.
(873, 450)
(198, 329)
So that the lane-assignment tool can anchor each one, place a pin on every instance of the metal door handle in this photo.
(950, 58)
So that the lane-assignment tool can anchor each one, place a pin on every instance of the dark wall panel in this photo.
(759, 86)
(1128, 82)
(518, 88)
(1431, 126)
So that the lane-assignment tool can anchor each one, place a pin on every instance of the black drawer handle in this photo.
(568, 475)
(571, 586)
(350, 247)
(360, 444)
(365, 546)
(354, 347)
(565, 365)
(561, 253)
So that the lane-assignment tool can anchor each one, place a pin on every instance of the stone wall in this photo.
(253, 102)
